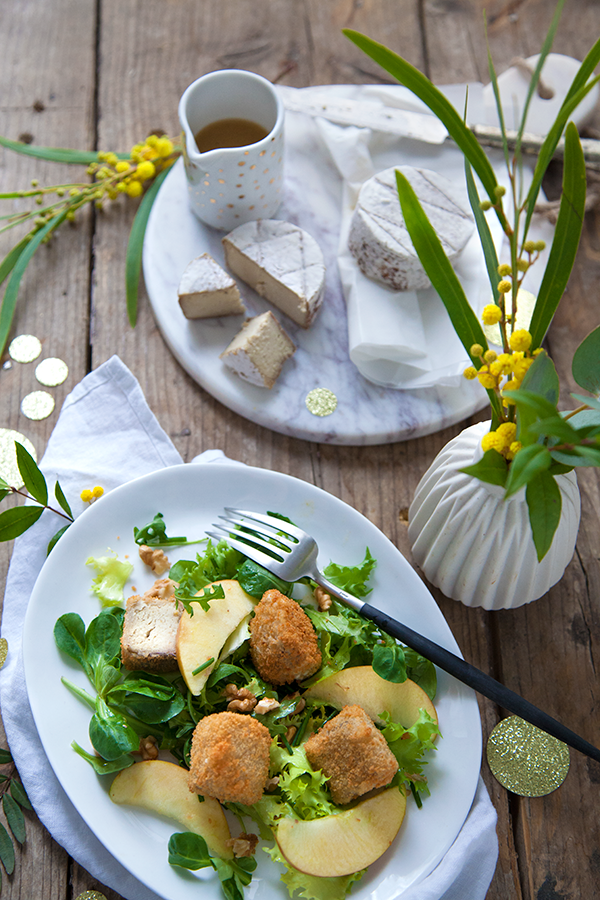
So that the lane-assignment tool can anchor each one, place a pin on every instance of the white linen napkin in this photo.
(106, 434)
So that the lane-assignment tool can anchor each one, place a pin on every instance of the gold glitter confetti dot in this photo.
(3, 651)
(321, 402)
(25, 348)
(91, 895)
(37, 405)
(51, 371)
(9, 470)
(526, 760)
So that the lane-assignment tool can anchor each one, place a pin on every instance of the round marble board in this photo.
(365, 413)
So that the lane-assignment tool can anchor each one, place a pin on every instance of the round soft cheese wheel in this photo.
(379, 239)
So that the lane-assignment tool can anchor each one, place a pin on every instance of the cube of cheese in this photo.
(258, 352)
(206, 290)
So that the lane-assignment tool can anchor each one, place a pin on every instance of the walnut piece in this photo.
(240, 699)
(148, 747)
(243, 844)
(323, 598)
(265, 705)
(155, 558)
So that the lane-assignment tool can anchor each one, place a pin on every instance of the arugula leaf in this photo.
(218, 561)
(155, 533)
(186, 594)
(352, 578)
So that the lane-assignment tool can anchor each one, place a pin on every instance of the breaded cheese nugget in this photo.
(353, 754)
(229, 758)
(283, 643)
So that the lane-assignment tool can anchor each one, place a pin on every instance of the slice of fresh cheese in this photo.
(257, 353)
(206, 290)
(282, 263)
(379, 239)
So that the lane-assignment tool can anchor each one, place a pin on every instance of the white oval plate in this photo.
(191, 497)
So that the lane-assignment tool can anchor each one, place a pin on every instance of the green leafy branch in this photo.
(139, 172)
(16, 520)
(530, 441)
(14, 801)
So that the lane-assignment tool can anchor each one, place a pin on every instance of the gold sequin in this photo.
(51, 371)
(526, 760)
(25, 348)
(3, 651)
(91, 895)
(37, 405)
(321, 402)
(9, 469)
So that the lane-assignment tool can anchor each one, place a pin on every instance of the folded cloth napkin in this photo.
(107, 434)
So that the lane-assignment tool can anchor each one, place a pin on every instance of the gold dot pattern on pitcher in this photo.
(526, 760)
(321, 402)
(25, 348)
(37, 405)
(9, 468)
(51, 371)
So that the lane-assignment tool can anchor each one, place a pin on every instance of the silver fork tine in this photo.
(251, 552)
(249, 539)
(249, 526)
(277, 524)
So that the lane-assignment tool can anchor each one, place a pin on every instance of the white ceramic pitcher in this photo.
(232, 185)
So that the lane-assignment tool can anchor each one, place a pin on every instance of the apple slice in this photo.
(346, 843)
(201, 637)
(162, 787)
(363, 686)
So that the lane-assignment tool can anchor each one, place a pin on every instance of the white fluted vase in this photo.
(474, 545)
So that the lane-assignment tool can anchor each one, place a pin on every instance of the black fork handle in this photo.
(479, 681)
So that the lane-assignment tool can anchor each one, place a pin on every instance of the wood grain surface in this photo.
(101, 74)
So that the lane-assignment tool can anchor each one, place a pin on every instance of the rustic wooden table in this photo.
(101, 74)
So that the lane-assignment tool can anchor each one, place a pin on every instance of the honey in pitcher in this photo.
(229, 133)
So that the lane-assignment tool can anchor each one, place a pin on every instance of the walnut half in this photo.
(155, 558)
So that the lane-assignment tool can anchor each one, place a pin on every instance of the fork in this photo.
(291, 554)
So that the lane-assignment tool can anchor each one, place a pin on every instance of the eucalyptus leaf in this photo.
(544, 504)
(491, 468)
(586, 363)
(539, 384)
(528, 463)
(485, 235)
(9, 301)
(32, 476)
(586, 418)
(15, 521)
(11, 258)
(4, 492)
(589, 401)
(14, 817)
(420, 85)
(58, 493)
(133, 258)
(7, 850)
(565, 242)
(5, 756)
(556, 427)
(56, 538)
(18, 792)
(55, 154)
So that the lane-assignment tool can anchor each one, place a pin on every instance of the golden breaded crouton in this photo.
(283, 643)
(353, 754)
(150, 627)
(230, 758)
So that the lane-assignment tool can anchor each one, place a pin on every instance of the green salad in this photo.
(131, 708)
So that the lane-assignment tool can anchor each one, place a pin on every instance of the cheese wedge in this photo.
(257, 353)
(282, 263)
(206, 290)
